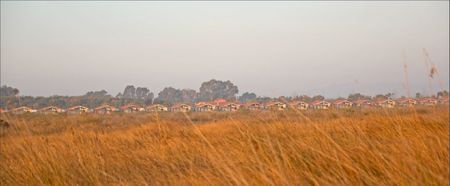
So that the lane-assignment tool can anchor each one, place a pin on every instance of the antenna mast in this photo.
(433, 70)
(427, 64)
(405, 70)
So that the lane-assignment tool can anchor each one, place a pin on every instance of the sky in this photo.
(269, 48)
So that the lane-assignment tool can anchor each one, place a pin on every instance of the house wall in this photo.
(157, 109)
(103, 111)
(76, 111)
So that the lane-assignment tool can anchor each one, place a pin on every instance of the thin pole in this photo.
(405, 70)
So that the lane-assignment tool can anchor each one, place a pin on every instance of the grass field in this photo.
(345, 147)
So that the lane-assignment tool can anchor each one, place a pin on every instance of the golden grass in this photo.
(350, 147)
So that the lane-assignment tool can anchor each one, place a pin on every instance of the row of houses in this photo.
(224, 106)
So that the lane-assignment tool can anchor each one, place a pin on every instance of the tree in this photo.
(141, 93)
(389, 95)
(318, 97)
(263, 99)
(418, 95)
(443, 93)
(215, 89)
(129, 92)
(304, 98)
(380, 97)
(247, 96)
(357, 96)
(6, 91)
(149, 98)
(16, 92)
(9, 97)
(188, 96)
(100, 93)
(170, 95)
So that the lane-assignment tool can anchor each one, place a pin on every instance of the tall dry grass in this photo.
(350, 147)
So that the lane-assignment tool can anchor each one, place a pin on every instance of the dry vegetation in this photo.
(363, 147)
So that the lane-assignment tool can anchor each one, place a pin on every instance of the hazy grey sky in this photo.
(270, 48)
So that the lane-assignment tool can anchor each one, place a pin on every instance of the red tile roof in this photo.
(49, 107)
(76, 107)
(403, 100)
(273, 103)
(20, 108)
(380, 101)
(130, 106)
(201, 104)
(219, 101)
(252, 103)
(361, 101)
(155, 105)
(105, 106)
(340, 101)
(180, 105)
(426, 99)
(318, 102)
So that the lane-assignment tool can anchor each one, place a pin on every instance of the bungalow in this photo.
(104, 109)
(21, 110)
(130, 108)
(386, 103)
(428, 101)
(363, 103)
(50, 110)
(156, 108)
(275, 106)
(219, 101)
(77, 110)
(229, 107)
(320, 104)
(300, 105)
(253, 106)
(204, 107)
(181, 108)
(407, 102)
(342, 104)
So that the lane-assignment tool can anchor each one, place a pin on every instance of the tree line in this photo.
(208, 91)
(211, 90)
